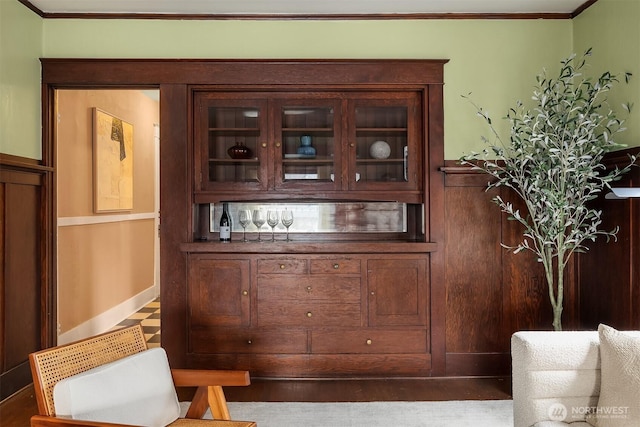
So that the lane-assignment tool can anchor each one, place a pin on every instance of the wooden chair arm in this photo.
(204, 377)
(209, 394)
(46, 421)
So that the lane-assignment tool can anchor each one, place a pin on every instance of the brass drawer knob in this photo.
(308, 288)
(282, 266)
(264, 145)
(249, 342)
(369, 342)
(277, 144)
(336, 266)
(245, 293)
(309, 314)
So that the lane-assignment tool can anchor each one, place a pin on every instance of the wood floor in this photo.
(16, 410)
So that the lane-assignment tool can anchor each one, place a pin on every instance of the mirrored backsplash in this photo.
(338, 217)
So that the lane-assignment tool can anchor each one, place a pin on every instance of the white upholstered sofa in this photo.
(556, 378)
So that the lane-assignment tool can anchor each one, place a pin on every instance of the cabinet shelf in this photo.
(381, 130)
(255, 160)
(307, 130)
(379, 160)
(308, 161)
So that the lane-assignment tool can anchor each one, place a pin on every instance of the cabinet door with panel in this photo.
(231, 133)
(219, 291)
(384, 148)
(398, 292)
(307, 141)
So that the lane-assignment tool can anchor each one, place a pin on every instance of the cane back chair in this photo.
(55, 364)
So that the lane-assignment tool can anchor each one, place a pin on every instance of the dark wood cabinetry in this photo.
(322, 305)
(219, 291)
(307, 310)
(207, 107)
(360, 140)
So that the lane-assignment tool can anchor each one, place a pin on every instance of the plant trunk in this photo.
(556, 293)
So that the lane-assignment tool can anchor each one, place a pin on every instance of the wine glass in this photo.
(287, 220)
(272, 220)
(258, 219)
(244, 216)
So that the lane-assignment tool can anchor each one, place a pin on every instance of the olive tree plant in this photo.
(554, 162)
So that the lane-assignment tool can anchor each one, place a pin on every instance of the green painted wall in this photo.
(20, 48)
(486, 57)
(611, 28)
(496, 60)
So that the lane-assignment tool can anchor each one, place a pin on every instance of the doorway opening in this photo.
(107, 259)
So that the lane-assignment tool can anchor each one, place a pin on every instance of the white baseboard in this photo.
(110, 318)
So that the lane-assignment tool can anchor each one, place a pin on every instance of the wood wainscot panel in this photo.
(475, 295)
(24, 282)
(491, 292)
(478, 364)
(609, 271)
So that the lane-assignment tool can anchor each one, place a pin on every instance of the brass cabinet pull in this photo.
(308, 288)
(282, 266)
(352, 145)
(245, 293)
(277, 144)
(369, 342)
(336, 266)
(249, 342)
(264, 145)
(373, 293)
(309, 314)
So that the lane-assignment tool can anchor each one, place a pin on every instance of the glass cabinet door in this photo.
(233, 138)
(384, 143)
(306, 141)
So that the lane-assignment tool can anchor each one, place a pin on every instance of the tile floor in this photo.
(149, 317)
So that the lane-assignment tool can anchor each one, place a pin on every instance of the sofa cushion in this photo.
(618, 404)
(135, 390)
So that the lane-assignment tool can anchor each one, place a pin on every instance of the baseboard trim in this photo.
(108, 319)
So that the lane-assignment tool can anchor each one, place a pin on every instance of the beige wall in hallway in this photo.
(103, 259)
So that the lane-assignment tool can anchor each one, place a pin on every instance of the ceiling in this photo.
(307, 8)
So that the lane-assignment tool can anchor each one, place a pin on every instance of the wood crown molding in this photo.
(308, 17)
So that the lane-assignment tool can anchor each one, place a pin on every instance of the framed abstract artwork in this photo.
(112, 163)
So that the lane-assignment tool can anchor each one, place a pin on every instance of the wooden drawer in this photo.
(335, 266)
(308, 288)
(369, 341)
(283, 266)
(290, 313)
(249, 341)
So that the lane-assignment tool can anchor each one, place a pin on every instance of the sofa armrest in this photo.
(553, 368)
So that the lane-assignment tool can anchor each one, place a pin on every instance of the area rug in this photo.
(477, 413)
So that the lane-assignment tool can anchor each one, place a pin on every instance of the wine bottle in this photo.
(225, 224)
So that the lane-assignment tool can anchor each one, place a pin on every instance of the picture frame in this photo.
(112, 163)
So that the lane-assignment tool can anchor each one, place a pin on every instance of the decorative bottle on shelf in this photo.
(225, 224)
(305, 148)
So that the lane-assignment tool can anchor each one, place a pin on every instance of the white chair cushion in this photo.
(136, 390)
